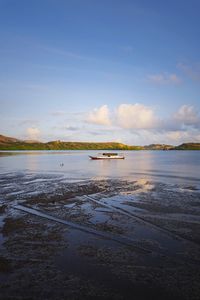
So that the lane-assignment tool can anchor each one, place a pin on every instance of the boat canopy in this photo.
(109, 154)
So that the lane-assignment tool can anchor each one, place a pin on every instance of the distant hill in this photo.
(158, 147)
(188, 146)
(7, 139)
(9, 143)
(31, 141)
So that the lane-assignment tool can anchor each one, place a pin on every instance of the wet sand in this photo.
(102, 239)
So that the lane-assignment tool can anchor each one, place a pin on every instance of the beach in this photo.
(104, 238)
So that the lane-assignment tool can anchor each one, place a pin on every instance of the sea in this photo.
(174, 166)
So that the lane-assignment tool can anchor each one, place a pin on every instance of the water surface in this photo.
(173, 166)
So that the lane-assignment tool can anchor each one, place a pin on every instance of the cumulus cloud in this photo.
(100, 116)
(33, 133)
(140, 123)
(187, 115)
(164, 78)
(177, 137)
(135, 116)
(139, 116)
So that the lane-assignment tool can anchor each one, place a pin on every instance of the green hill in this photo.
(188, 146)
(9, 143)
(158, 147)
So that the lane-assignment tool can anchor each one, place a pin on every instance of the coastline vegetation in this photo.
(8, 143)
(57, 145)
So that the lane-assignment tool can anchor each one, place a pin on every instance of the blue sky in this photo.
(88, 70)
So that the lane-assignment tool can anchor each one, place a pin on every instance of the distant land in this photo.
(10, 143)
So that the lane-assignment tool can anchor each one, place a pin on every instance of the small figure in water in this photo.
(61, 164)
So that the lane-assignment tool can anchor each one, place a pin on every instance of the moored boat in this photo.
(108, 155)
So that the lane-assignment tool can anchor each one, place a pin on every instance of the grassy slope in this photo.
(57, 145)
(8, 143)
(188, 146)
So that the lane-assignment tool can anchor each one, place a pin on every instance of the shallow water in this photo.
(123, 237)
(171, 166)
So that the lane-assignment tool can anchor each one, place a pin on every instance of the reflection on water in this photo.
(165, 165)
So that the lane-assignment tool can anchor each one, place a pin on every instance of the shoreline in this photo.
(162, 224)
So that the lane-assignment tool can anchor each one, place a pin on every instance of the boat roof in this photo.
(109, 153)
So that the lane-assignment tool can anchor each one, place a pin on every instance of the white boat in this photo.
(108, 155)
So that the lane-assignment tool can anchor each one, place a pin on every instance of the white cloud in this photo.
(135, 116)
(187, 116)
(138, 116)
(33, 133)
(99, 116)
(139, 124)
(146, 137)
(164, 78)
(177, 137)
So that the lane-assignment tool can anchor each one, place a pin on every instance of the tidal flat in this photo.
(100, 238)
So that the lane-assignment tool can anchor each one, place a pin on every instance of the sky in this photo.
(110, 70)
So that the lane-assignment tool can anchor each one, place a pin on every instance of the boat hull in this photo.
(102, 158)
